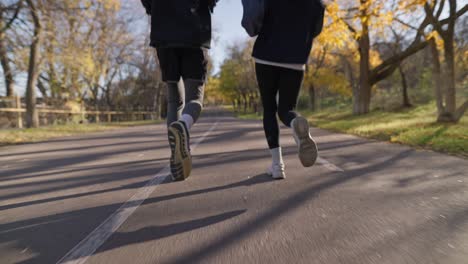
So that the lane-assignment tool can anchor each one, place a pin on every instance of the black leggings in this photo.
(286, 83)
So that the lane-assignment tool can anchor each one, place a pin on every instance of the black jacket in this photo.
(180, 23)
(288, 30)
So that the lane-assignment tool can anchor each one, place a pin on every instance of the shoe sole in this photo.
(175, 164)
(181, 160)
(308, 150)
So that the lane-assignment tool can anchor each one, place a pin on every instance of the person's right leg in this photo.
(267, 79)
(175, 101)
(193, 69)
(170, 62)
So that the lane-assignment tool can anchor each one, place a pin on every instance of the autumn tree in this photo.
(444, 27)
(365, 22)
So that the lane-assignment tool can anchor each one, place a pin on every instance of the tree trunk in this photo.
(446, 98)
(404, 84)
(450, 112)
(461, 111)
(348, 70)
(95, 94)
(32, 118)
(251, 103)
(363, 91)
(108, 95)
(311, 91)
(244, 97)
(450, 75)
(157, 95)
(436, 75)
(8, 74)
(163, 103)
(363, 95)
(356, 99)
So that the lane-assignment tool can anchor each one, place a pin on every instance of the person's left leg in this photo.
(267, 78)
(194, 94)
(290, 85)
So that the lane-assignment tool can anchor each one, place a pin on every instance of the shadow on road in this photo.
(283, 208)
(58, 232)
(158, 232)
(151, 140)
(73, 160)
(259, 179)
(30, 233)
(71, 196)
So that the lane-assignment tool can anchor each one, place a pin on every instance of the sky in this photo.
(227, 28)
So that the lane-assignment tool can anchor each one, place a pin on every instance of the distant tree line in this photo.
(79, 52)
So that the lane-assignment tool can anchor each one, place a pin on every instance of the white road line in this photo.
(81, 252)
(329, 165)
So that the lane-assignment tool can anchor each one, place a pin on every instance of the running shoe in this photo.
(181, 158)
(277, 171)
(308, 150)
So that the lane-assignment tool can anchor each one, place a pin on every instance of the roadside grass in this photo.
(249, 116)
(20, 136)
(415, 127)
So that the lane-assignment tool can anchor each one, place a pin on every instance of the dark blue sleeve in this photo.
(212, 4)
(320, 17)
(147, 5)
(252, 20)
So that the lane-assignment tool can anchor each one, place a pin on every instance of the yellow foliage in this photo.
(375, 59)
(335, 82)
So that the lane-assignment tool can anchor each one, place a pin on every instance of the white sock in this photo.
(277, 156)
(188, 120)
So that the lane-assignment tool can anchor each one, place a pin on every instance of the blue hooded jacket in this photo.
(288, 30)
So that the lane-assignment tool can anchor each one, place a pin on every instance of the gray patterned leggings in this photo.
(184, 98)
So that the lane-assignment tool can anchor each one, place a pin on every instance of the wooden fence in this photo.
(134, 115)
(17, 103)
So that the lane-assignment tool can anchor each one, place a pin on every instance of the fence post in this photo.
(96, 112)
(19, 120)
(109, 118)
(82, 110)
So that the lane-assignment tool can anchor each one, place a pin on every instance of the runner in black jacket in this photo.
(286, 30)
(181, 34)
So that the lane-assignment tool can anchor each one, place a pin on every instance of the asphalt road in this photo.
(106, 198)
